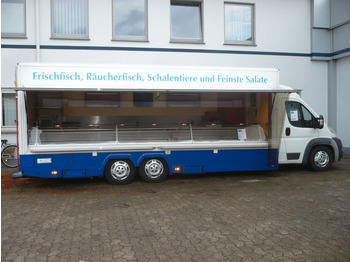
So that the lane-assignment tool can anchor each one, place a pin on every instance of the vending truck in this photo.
(112, 121)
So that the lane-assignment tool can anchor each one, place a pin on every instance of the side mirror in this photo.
(319, 122)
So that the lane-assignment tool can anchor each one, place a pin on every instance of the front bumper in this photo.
(340, 147)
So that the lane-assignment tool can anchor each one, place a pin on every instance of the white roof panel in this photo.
(110, 77)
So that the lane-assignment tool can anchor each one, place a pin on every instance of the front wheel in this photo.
(321, 158)
(9, 156)
(120, 171)
(154, 170)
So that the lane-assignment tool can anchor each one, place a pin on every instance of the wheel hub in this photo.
(120, 170)
(154, 168)
(321, 159)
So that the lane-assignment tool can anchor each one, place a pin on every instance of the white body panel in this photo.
(295, 141)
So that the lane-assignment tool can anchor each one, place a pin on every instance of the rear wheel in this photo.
(154, 170)
(120, 171)
(321, 158)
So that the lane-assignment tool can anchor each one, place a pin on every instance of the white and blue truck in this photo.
(112, 121)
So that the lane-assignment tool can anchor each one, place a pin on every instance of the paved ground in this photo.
(290, 215)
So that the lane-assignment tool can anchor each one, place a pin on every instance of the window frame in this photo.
(303, 123)
(188, 40)
(130, 38)
(253, 25)
(69, 36)
(19, 35)
(64, 117)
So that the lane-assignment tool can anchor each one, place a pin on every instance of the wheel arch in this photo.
(328, 142)
(115, 156)
(152, 155)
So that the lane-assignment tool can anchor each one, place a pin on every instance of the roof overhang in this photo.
(110, 77)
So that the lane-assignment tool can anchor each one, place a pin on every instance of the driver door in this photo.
(298, 131)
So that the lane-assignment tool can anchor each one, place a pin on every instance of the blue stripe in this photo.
(322, 54)
(341, 51)
(19, 46)
(174, 50)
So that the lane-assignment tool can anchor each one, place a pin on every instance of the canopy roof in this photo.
(111, 77)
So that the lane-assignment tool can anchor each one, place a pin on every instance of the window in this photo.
(239, 24)
(145, 117)
(298, 115)
(186, 22)
(143, 99)
(130, 20)
(8, 110)
(69, 19)
(13, 18)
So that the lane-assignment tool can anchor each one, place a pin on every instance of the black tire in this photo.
(154, 170)
(9, 156)
(321, 158)
(119, 171)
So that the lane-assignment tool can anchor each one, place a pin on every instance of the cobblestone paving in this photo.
(290, 215)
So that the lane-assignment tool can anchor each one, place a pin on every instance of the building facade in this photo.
(308, 41)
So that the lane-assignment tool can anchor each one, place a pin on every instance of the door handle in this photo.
(287, 131)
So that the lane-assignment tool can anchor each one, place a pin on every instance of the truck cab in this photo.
(306, 139)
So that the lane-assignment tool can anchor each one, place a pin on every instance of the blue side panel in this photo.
(66, 165)
(75, 164)
(222, 161)
(72, 165)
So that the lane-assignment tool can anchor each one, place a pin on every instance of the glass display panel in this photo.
(69, 117)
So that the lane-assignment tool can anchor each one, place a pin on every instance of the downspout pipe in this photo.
(37, 30)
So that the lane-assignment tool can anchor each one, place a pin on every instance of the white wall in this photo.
(278, 29)
(343, 101)
(9, 60)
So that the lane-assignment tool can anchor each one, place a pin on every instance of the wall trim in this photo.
(338, 53)
(150, 49)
